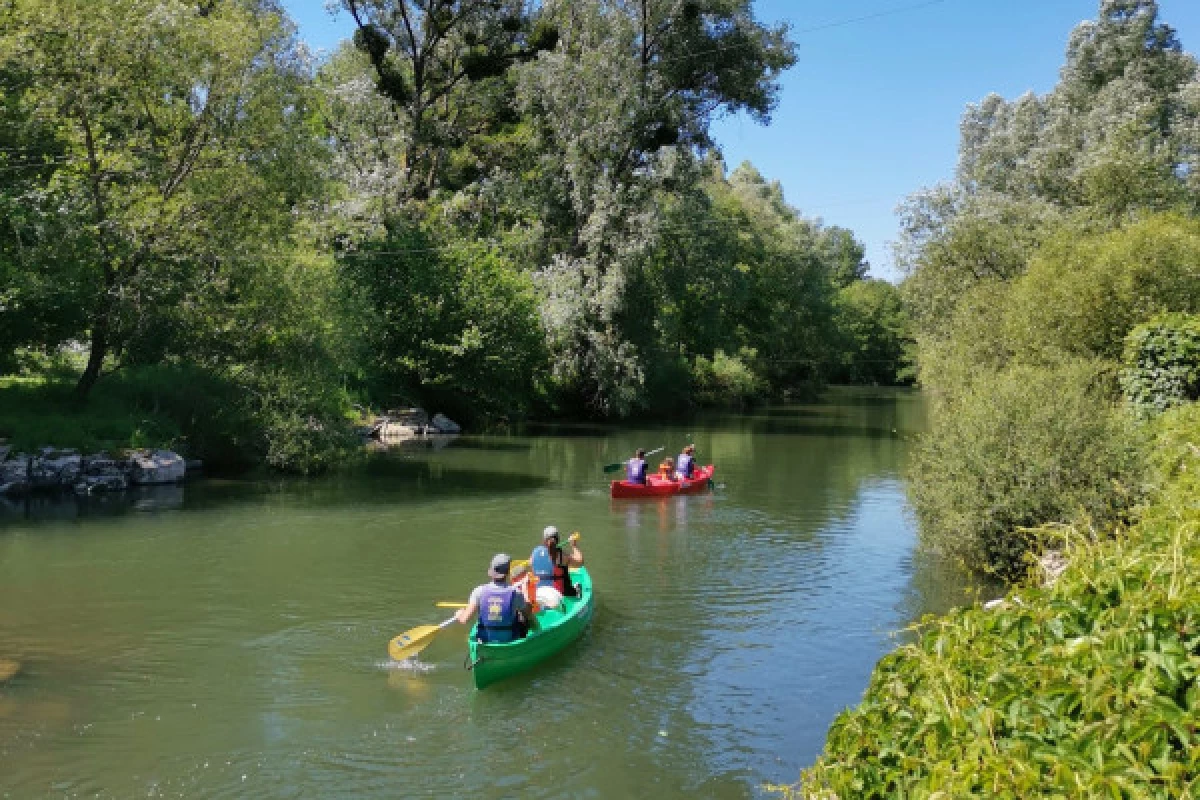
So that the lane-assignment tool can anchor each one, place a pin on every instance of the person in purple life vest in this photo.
(503, 611)
(635, 468)
(685, 465)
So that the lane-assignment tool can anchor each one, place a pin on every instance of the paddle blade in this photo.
(411, 642)
(613, 467)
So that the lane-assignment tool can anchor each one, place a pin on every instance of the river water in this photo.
(228, 638)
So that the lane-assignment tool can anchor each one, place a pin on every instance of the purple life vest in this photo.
(685, 466)
(635, 470)
(497, 614)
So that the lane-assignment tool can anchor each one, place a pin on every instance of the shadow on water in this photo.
(68, 506)
(384, 480)
(495, 444)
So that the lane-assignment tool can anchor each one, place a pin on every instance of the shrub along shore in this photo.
(1087, 688)
(1055, 291)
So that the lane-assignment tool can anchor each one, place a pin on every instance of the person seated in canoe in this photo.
(550, 563)
(685, 465)
(502, 608)
(635, 468)
(666, 469)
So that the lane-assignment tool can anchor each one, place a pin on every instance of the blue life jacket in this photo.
(548, 573)
(635, 470)
(685, 466)
(497, 614)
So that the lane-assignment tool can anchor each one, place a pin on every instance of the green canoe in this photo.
(556, 629)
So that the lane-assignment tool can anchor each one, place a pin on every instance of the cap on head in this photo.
(550, 532)
(500, 564)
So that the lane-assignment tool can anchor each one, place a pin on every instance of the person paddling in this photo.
(635, 468)
(551, 564)
(685, 465)
(502, 608)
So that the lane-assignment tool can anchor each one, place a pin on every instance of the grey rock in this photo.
(113, 482)
(156, 466)
(443, 424)
(409, 417)
(14, 475)
(55, 469)
(391, 430)
(103, 464)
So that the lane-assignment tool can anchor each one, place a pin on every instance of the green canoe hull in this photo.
(556, 629)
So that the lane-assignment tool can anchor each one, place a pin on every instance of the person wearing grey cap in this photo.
(503, 611)
(550, 563)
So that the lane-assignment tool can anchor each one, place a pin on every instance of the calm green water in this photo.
(228, 639)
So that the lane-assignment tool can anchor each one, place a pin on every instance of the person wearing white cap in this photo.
(503, 610)
(550, 563)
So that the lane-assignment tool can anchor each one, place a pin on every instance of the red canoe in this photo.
(657, 487)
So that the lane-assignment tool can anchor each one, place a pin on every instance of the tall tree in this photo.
(1118, 135)
(430, 59)
(185, 148)
(1118, 132)
(622, 105)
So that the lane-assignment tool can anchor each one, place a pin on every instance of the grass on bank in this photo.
(229, 421)
(38, 411)
(1085, 689)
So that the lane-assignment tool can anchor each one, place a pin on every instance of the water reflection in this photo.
(69, 506)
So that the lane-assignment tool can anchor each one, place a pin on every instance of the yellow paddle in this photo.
(447, 604)
(411, 642)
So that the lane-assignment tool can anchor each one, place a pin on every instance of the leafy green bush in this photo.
(1161, 366)
(451, 326)
(1018, 448)
(1083, 294)
(726, 380)
(1086, 689)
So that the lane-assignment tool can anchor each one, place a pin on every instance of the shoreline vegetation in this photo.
(1054, 287)
(216, 243)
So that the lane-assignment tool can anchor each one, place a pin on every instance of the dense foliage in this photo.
(495, 209)
(1085, 689)
(1019, 447)
(1162, 363)
(1040, 259)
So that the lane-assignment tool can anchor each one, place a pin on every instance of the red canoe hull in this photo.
(657, 487)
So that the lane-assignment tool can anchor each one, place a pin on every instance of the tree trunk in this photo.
(99, 350)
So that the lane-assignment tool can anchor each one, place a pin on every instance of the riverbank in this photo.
(1088, 687)
(227, 421)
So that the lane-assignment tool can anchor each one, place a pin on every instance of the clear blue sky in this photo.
(870, 111)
